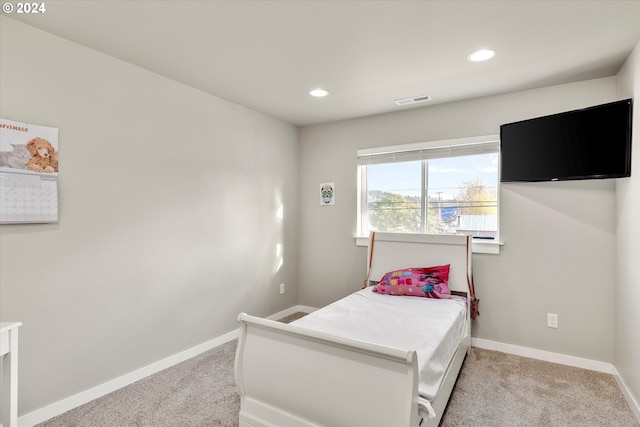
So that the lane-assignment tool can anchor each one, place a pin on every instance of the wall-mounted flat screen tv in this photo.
(590, 143)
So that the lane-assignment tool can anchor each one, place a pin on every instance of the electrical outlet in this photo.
(552, 320)
(281, 288)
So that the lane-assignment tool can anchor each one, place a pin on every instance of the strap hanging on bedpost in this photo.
(372, 239)
(474, 302)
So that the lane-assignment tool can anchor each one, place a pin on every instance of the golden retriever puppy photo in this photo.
(44, 157)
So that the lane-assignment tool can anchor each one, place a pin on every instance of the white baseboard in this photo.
(562, 359)
(292, 310)
(64, 405)
(635, 406)
(40, 415)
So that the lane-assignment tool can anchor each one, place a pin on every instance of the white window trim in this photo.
(478, 245)
(431, 145)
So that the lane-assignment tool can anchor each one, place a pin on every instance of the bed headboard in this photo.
(394, 251)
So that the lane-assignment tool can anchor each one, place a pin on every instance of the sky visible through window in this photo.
(446, 175)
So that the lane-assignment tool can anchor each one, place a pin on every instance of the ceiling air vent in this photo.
(413, 100)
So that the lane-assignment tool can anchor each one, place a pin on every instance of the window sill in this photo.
(486, 247)
(477, 246)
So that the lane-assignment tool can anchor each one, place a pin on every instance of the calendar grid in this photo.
(28, 198)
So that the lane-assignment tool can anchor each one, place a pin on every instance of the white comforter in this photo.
(433, 328)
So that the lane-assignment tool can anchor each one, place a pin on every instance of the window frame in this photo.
(424, 151)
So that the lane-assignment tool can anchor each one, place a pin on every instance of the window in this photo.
(441, 187)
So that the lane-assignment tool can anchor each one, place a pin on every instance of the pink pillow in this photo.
(430, 282)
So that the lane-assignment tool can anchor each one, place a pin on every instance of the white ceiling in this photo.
(267, 55)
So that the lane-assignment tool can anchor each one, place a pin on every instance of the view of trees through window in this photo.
(461, 196)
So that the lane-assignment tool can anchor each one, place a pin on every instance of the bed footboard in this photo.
(290, 376)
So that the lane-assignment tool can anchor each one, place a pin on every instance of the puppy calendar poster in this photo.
(28, 173)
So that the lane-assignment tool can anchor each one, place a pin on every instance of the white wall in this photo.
(168, 217)
(559, 238)
(627, 308)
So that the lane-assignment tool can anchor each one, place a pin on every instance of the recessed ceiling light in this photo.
(319, 93)
(481, 55)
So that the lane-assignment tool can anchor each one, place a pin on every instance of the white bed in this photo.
(368, 359)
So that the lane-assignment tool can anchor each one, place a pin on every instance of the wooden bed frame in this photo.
(290, 376)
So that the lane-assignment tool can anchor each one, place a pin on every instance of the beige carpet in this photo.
(498, 389)
(198, 392)
(494, 389)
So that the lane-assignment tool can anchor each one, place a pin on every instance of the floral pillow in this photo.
(430, 282)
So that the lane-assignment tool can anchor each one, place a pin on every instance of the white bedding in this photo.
(433, 328)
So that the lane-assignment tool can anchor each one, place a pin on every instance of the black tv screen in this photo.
(590, 143)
